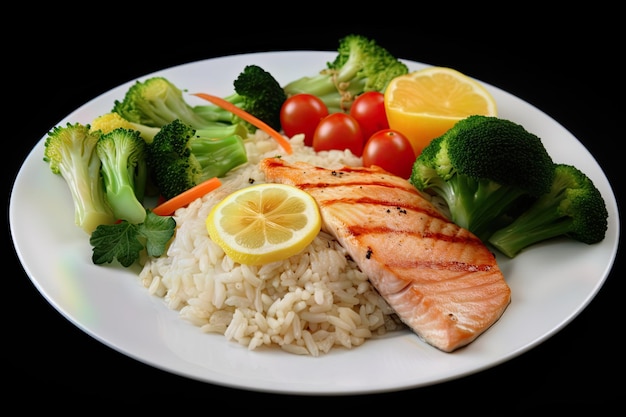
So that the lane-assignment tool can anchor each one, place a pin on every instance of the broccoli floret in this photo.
(361, 65)
(124, 169)
(181, 157)
(111, 121)
(157, 102)
(573, 207)
(70, 151)
(484, 168)
(257, 92)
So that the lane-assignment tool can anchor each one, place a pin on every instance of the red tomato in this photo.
(369, 110)
(338, 131)
(301, 113)
(390, 150)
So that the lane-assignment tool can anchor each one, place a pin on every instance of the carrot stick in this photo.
(183, 199)
(238, 111)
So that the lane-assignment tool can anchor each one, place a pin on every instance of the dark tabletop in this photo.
(561, 72)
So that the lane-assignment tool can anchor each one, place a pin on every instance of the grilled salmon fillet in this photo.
(439, 278)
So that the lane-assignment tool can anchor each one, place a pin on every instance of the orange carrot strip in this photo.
(238, 111)
(183, 199)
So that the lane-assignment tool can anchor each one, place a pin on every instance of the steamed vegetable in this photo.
(156, 102)
(124, 170)
(484, 168)
(573, 208)
(361, 65)
(70, 152)
(257, 93)
(181, 157)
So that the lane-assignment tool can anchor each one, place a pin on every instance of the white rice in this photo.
(307, 304)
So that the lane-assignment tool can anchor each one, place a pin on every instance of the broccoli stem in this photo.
(217, 113)
(481, 205)
(319, 85)
(125, 204)
(88, 195)
(213, 113)
(530, 228)
(217, 156)
(337, 89)
(220, 131)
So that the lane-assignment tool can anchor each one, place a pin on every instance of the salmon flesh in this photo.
(439, 278)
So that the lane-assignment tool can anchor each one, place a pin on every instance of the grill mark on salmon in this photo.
(440, 279)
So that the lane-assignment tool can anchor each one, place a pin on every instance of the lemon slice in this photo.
(264, 223)
(424, 104)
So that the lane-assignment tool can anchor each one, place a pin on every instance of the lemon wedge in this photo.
(264, 223)
(424, 104)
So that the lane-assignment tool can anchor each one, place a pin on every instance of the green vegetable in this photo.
(573, 207)
(157, 101)
(125, 241)
(124, 169)
(361, 65)
(256, 92)
(70, 151)
(486, 169)
(111, 121)
(181, 157)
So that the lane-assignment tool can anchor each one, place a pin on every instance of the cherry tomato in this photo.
(390, 150)
(369, 110)
(338, 131)
(301, 113)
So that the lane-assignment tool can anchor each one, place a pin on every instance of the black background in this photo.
(557, 64)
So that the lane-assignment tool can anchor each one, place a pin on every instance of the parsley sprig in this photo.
(124, 241)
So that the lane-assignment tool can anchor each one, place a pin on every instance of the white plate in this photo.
(551, 283)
